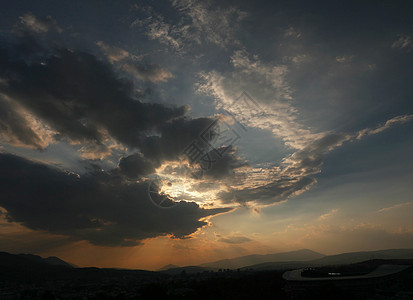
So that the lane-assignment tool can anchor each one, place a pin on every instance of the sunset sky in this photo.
(137, 134)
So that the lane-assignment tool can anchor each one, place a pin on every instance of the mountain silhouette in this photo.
(243, 261)
(338, 259)
(51, 260)
(29, 268)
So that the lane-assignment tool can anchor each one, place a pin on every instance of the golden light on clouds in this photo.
(177, 179)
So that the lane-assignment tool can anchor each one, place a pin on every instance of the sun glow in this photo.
(178, 180)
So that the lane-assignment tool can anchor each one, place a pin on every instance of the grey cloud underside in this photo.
(174, 137)
(79, 96)
(100, 207)
(136, 165)
(234, 239)
(221, 165)
(278, 190)
(82, 99)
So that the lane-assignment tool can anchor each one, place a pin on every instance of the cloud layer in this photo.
(100, 207)
(58, 94)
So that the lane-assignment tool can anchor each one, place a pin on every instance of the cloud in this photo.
(234, 239)
(16, 127)
(269, 109)
(221, 166)
(215, 25)
(157, 29)
(389, 123)
(200, 23)
(150, 72)
(79, 97)
(174, 137)
(344, 58)
(136, 166)
(30, 22)
(403, 42)
(292, 32)
(94, 151)
(276, 189)
(328, 215)
(16, 238)
(113, 53)
(395, 207)
(293, 177)
(81, 100)
(273, 74)
(299, 59)
(259, 95)
(100, 207)
(132, 64)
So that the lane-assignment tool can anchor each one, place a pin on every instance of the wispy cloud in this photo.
(211, 23)
(403, 42)
(292, 32)
(328, 215)
(157, 29)
(400, 205)
(200, 23)
(39, 25)
(389, 123)
(234, 239)
(149, 72)
(19, 127)
(113, 53)
(344, 58)
(133, 64)
(270, 89)
(272, 109)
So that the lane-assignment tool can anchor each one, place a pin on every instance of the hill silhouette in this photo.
(339, 259)
(52, 260)
(244, 261)
(28, 268)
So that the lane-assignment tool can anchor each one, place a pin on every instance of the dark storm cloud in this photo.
(79, 96)
(174, 137)
(99, 207)
(82, 100)
(219, 166)
(136, 165)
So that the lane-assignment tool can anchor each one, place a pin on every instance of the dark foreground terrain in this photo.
(30, 277)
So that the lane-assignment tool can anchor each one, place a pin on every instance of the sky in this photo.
(137, 134)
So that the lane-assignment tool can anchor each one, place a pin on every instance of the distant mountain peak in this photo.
(51, 260)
